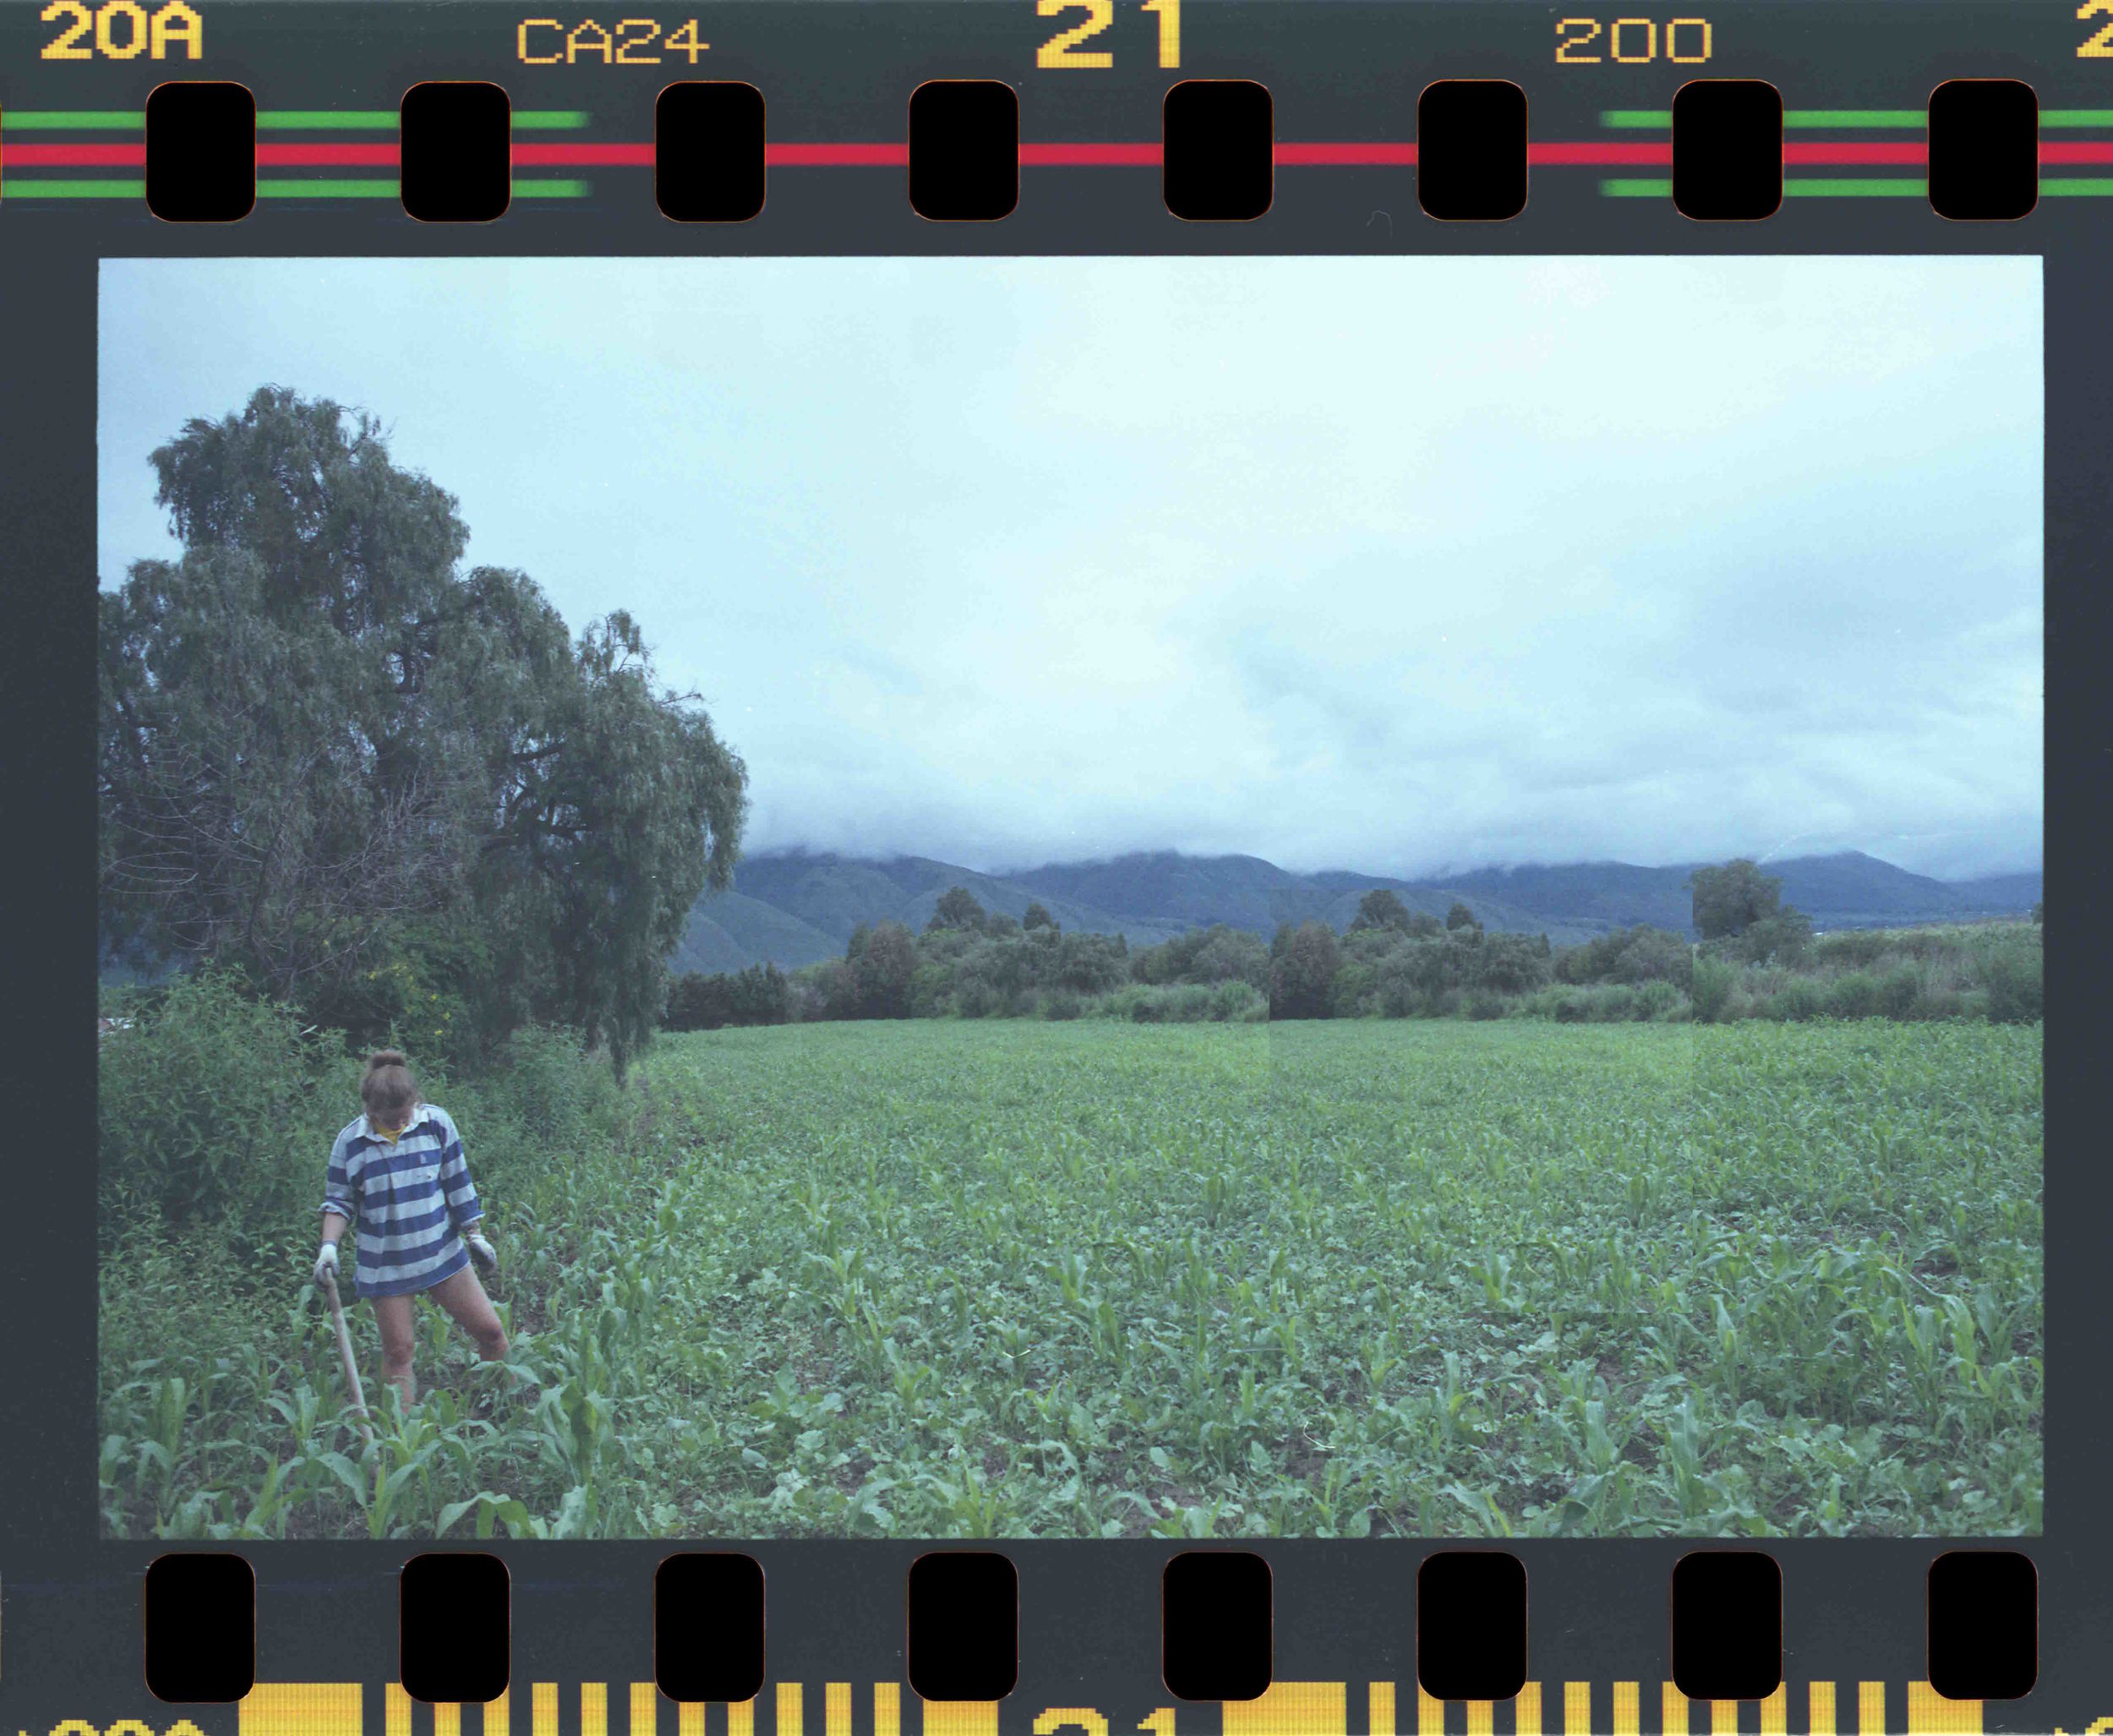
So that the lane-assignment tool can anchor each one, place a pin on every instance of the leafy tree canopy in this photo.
(957, 908)
(312, 727)
(1732, 898)
(1380, 908)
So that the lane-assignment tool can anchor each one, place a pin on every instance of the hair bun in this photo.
(386, 1057)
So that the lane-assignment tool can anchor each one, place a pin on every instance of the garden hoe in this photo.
(345, 1356)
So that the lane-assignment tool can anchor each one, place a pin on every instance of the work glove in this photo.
(482, 1251)
(326, 1265)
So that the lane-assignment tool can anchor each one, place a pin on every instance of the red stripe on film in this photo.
(2071, 151)
(1093, 156)
(75, 156)
(373, 156)
(1559, 154)
(1852, 150)
(1379, 151)
(871, 156)
(583, 156)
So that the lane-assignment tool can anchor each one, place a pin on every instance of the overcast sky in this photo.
(1387, 564)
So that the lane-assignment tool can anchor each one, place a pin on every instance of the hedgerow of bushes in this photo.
(978, 966)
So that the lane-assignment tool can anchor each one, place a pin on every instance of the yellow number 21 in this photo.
(1062, 49)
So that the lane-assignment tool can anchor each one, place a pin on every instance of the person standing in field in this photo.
(398, 1170)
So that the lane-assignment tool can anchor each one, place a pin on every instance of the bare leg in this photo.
(465, 1300)
(399, 1339)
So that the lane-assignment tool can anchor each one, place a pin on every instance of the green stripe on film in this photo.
(1828, 186)
(352, 120)
(328, 120)
(1640, 187)
(1638, 118)
(1806, 117)
(296, 188)
(2077, 187)
(40, 120)
(326, 189)
(15, 186)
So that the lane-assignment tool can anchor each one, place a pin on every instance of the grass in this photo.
(1100, 1279)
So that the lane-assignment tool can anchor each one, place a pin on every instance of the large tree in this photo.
(1380, 908)
(1302, 977)
(315, 730)
(1730, 899)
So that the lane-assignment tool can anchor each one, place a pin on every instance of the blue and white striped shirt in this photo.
(411, 1201)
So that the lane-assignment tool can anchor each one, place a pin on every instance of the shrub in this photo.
(1781, 939)
(1711, 983)
(1855, 996)
(217, 1103)
(1355, 988)
(2016, 984)
(1796, 1001)
(1508, 964)
(1062, 1004)
(1658, 999)
(1898, 990)
(760, 995)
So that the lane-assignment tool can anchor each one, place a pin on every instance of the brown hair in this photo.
(387, 1088)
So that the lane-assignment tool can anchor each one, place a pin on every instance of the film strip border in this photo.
(1286, 1709)
(325, 155)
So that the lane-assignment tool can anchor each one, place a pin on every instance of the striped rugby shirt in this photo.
(411, 1201)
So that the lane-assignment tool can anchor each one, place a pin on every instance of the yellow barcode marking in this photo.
(543, 1709)
(1379, 1707)
(1870, 1708)
(645, 1709)
(447, 1717)
(1526, 1710)
(1820, 1718)
(497, 1714)
(1775, 1711)
(1482, 1717)
(836, 1709)
(790, 1712)
(1628, 1714)
(1723, 1717)
(1284, 1709)
(741, 1717)
(888, 1709)
(594, 1709)
(396, 1709)
(300, 1709)
(690, 1718)
(1430, 1714)
(1577, 1709)
(1930, 1714)
(961, 1717)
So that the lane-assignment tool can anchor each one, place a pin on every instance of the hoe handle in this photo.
(345, 1356)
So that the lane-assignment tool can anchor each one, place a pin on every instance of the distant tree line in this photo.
(1390, 963)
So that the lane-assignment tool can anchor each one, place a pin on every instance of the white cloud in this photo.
(1383, 563)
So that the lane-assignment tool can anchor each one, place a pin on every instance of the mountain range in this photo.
(795, 908)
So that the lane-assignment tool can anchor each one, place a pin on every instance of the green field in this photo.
(947, 1278)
